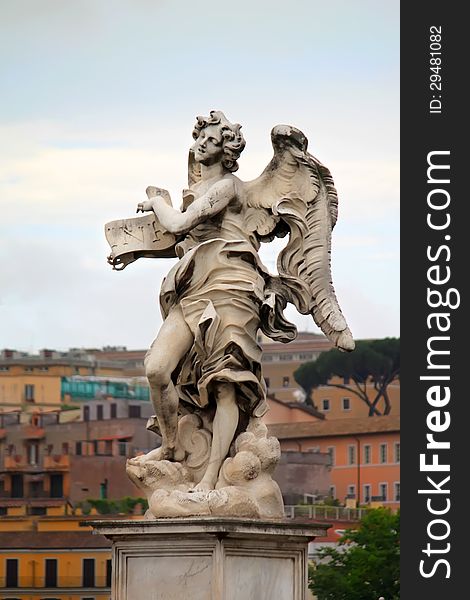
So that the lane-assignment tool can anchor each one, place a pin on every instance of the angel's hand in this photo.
(145, 206)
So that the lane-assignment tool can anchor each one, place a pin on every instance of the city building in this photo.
(48, 461)
(290, 412)
(53, 558)
(51, 378)
(279, 361)
(45, 461)
(86, 405)
(340, 403)
(30, 381)
(365, 455)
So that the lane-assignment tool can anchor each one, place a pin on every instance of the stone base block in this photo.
(209, 559)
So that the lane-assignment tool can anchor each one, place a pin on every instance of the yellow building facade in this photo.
(52, 558)
(28, 381)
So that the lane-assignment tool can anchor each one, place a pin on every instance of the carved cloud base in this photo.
(244, 488)
(209, 559)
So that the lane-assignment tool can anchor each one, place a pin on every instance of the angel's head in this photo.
(217, 140)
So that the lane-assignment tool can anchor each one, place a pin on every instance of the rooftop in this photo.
(336, 427)
(51, 539)
(298, 406)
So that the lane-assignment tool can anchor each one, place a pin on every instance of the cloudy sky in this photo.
(98, 101)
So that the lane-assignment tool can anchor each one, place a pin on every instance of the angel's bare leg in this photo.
(173, 341)
(224, 427)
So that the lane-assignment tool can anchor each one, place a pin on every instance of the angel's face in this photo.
(208, 148)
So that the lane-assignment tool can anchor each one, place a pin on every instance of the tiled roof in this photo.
(335, 427)
(299, 406)
(52, 539)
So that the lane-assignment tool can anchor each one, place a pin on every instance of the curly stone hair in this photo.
(232, 139)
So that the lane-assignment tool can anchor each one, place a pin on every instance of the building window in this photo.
(122, 447)
(383, 491)
(11, 580)
(29, 392)
(33, 453)
(397, 452)
(134, 411)
(346, 404)
(383, 453)
(396, 491)
(285, 382)
(78, 448)
(65, 447)
(108, 572)
(103, 447)
(113, 410)
(331, 452)
(36, 489)
(51, 572)
(367, 493)
(367, 454)
(38, 511)
(99, 412)
(325, 404)
(352, 455)
(88, 572)
(351, 490)
(56, 482)
(86, 413)
(17, 489)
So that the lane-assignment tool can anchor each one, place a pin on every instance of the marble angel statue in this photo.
(206, 359)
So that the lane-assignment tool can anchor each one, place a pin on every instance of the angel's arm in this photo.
(208, 205)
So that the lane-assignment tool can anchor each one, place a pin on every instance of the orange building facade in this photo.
(365, 455)
(336, 403)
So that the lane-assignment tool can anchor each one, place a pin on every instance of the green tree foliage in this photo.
(373, 365)
(365, 566)
(104, 506)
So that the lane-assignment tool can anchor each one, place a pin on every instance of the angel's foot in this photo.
(205, 485)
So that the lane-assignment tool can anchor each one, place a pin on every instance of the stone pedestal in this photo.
(209, 559)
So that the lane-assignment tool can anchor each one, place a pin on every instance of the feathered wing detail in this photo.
(299, 192)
